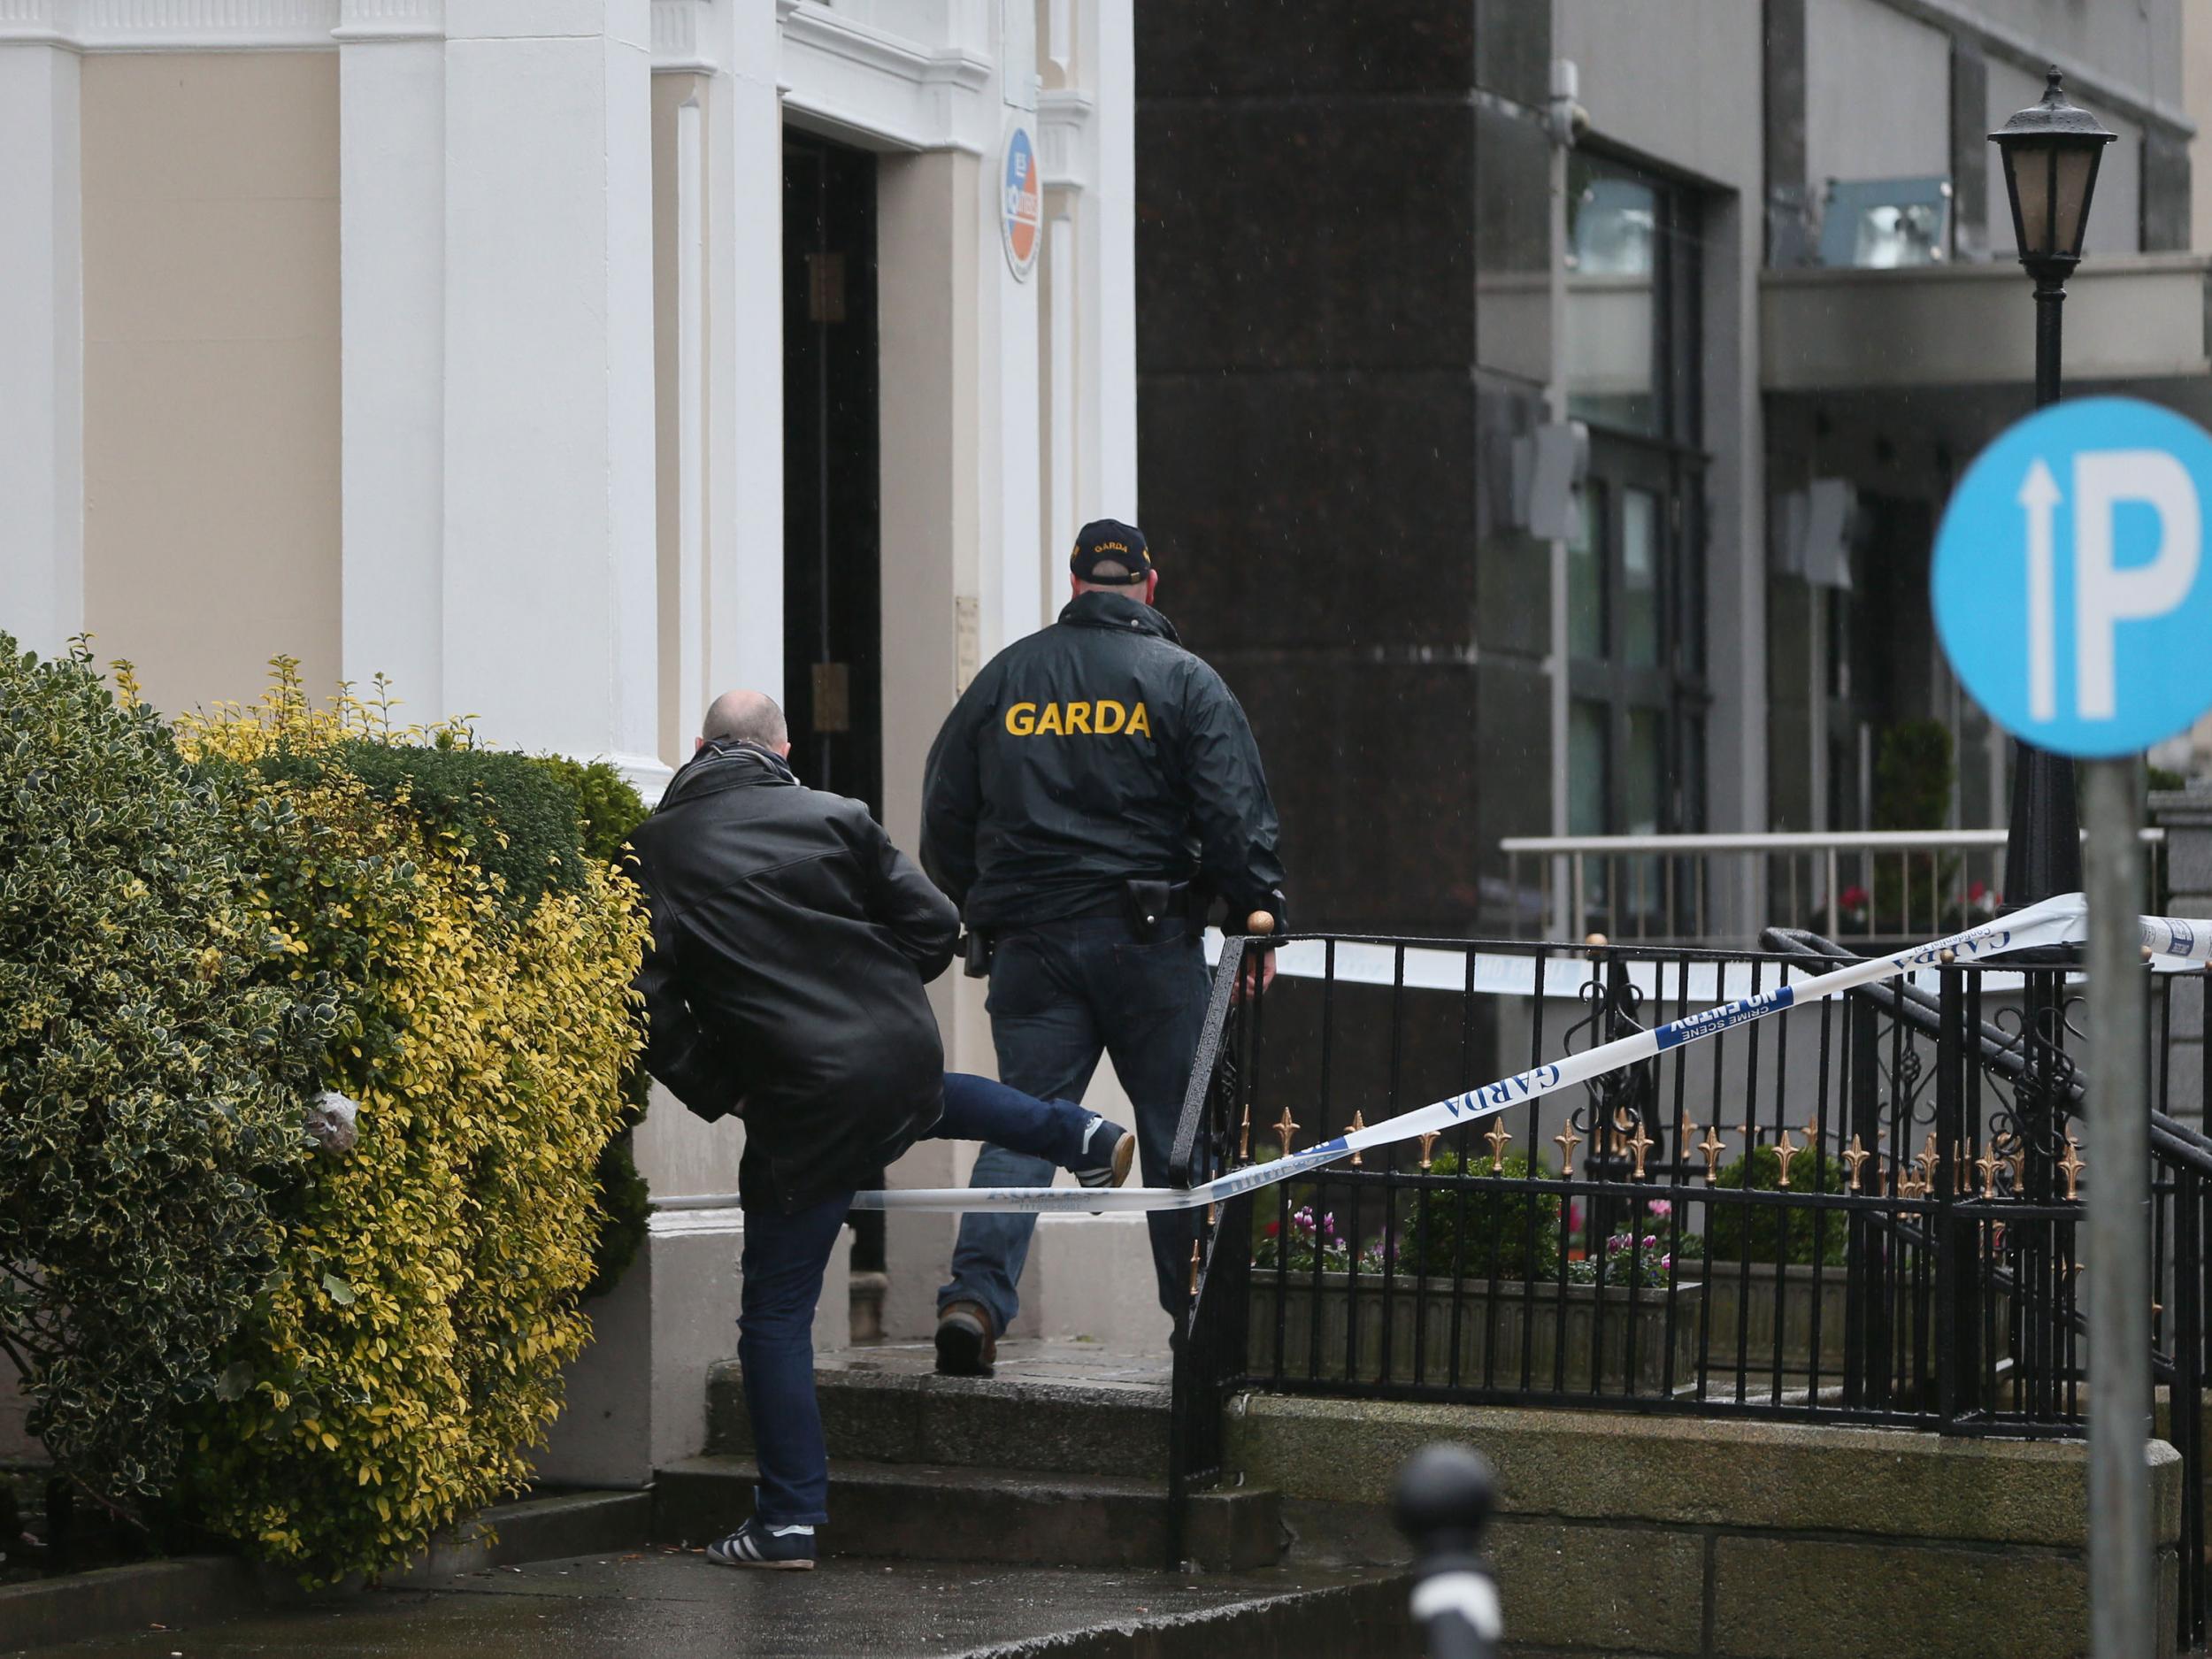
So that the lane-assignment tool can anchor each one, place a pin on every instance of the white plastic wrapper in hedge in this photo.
(331, 1122)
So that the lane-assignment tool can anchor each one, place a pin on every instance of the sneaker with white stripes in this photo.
(1108, 1150)
(776, 1549)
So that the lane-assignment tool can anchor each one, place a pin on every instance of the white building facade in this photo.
(568, 362)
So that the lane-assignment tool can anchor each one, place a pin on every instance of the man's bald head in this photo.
(749, 717)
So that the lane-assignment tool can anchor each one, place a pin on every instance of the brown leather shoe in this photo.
(966, 1345)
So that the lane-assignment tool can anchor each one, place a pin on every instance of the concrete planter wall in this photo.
(1745, 1299)
(1728, 1537)
(1625, 1351)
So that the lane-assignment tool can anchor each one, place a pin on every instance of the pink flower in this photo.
(1659, 1208)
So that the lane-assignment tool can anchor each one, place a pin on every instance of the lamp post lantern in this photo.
(2051, 152)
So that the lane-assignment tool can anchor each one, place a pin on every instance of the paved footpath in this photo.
(674, 1605)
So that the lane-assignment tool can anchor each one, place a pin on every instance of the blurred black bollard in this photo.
(1445, 1496)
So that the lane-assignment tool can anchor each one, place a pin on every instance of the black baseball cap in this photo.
(1110, 542)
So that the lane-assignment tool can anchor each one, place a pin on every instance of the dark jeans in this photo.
(783, 1262)
(1063, 993)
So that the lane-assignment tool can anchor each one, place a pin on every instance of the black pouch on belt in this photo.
(1155, 908)
(975, 950)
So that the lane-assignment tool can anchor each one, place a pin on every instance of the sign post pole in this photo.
(2073, 594)
(2121, 1598)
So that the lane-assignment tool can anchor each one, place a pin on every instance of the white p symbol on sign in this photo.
(2104, 596)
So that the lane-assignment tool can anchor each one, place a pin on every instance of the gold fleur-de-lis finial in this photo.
(1426, 1141)
(1194, 1267)
(1962, 1170)
(1858, 1155)
(1712, 1147)
(1568, 1142)
(1987, 1164)
(1783, 1153)
(1359, 1122)
(1286, 1126)
(2071, 1167)
(1244, 1138)
(1498, 1138)
(1640, 1144)
(1927, 1158)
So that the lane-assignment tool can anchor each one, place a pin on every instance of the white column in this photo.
(1060, 270)
(42, 345)
(1108, 312)
(550, 596)
(391, 172)
(1013, 555)
(744, 388)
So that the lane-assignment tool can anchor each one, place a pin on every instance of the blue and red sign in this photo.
(1021, 206)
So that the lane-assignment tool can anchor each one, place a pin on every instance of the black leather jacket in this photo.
(791, 940)
(1095, 752)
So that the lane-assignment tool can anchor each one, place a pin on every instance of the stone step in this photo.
(921, 1512)
(1061, 1426)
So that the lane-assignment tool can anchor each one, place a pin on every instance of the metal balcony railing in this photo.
(1859, 888)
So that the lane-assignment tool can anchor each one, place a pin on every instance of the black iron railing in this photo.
(1864, 1209)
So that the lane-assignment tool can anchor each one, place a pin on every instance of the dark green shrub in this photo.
(1482, 1231)
(606, 802)
(1727, 1225)
(154, 1070)
(517, 817)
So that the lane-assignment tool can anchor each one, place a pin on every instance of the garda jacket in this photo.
(791, 940)
(1092, 753)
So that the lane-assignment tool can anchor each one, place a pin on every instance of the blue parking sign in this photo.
(2070, 583)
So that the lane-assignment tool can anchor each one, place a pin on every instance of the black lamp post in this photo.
(2051, 152)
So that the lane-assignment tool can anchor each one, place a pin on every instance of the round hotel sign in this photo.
(1021, 202)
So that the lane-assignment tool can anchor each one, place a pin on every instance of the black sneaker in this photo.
(753, 1545)
(966, 1346)
(1108, 1153)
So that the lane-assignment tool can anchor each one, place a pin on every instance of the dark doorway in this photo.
(832, 674)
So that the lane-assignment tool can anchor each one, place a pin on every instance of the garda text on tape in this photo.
(2055, 921)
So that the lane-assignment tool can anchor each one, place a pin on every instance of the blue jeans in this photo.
(784, 1259)
(1061, 994)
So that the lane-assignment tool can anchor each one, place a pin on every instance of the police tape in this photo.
(2055, 921)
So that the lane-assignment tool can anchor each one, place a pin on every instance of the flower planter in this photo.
(1745, 1298)
(1608, 1344)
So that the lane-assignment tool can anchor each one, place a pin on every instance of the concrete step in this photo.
(923, 1512)
(1059, 1426)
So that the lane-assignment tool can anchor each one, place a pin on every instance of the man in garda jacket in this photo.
(791, 940)
(1095, 787)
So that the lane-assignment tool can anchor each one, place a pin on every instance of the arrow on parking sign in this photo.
(2039, 496)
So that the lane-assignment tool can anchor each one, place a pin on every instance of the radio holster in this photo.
(1157, 911)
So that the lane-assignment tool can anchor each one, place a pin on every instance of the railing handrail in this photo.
(1791, 840)
(2175, 1141)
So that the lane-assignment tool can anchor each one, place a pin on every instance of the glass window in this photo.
(1633, 312)
(1644, 775)
(1640, 579)
(1611, 274)
(1589, 746)
(1586, 575)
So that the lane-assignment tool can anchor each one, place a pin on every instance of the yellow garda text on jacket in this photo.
(1104, 717)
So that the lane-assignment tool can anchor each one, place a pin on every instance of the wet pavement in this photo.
(674, 1604)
